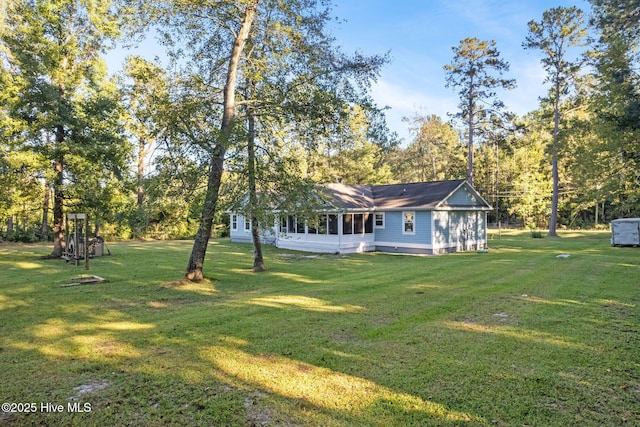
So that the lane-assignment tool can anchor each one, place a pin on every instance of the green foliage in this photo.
(560, 32)
(434, 154)
(476, 72)
(67, 111)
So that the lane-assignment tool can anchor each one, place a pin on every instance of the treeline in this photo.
(159, 150)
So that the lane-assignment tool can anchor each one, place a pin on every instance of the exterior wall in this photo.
(436, 232)
(462, 197)
(328, 243)
(392, 238)
(241, 235)
(456, 231)
(625, 232)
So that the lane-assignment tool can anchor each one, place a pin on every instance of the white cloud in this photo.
(406, 100)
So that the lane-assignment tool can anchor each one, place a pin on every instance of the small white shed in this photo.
(625, 232)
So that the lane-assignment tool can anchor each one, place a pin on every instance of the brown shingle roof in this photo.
(350, 196)
(393, 196)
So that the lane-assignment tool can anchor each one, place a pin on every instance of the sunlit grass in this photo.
(515, 336)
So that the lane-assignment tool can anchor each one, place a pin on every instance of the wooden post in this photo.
(76, 241)
(86, 242)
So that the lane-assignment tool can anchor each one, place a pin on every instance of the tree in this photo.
(526, 188)
(281, 91)
(434, 154)
(560, 30)
(145, 96)
(215, 35)
(476, 72)
(278, 49)
(614, 155)
(63, 112)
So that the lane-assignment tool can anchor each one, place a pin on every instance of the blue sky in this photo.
(420, 34)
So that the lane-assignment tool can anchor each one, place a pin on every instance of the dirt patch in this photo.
(89, 388)
(302, 257)
(256, 414)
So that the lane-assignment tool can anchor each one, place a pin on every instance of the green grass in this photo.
(512, 337)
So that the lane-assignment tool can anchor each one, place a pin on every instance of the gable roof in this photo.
(416, 195)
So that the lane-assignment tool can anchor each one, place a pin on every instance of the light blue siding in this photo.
(459, 231)
(462, 197)
(242, 235)
(393, 228)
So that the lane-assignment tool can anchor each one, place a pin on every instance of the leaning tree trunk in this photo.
(199, 250)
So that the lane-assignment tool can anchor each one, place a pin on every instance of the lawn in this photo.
(513, 337)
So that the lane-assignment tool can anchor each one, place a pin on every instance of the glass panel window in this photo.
(333, 224)
(311, 227)
(247, 224)
(322, 224)
(368, 223)
(358, 224)
(347, 224)
(379, 220)
(234, 222)
(299, 226)
(408, 223)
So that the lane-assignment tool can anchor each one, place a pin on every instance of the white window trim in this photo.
(375, 225)
(247, 224)
(234, 222)
(413, 213)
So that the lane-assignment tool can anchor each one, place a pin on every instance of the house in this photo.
(422, 217)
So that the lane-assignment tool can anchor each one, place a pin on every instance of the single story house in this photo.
(422, 217)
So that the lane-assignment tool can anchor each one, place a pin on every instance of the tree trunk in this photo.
(140, 172)
(58, 198)
(554, 166)
(44, 228)
(199, 250)
(258, 260)
(10, 225)
(470, 140)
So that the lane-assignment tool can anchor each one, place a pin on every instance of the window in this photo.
(358, 223)
(299, 226)
(408, 223)
(312, 226)
(347, 224)
(283, 224)
(292, 224)
(368, 223)
(333, 224)
(379, 220)
(234, 222)
(322, 224)
(247, 224)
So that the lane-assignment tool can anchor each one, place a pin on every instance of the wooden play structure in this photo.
(79, 246)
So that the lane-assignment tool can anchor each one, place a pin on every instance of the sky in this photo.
(419, 36)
